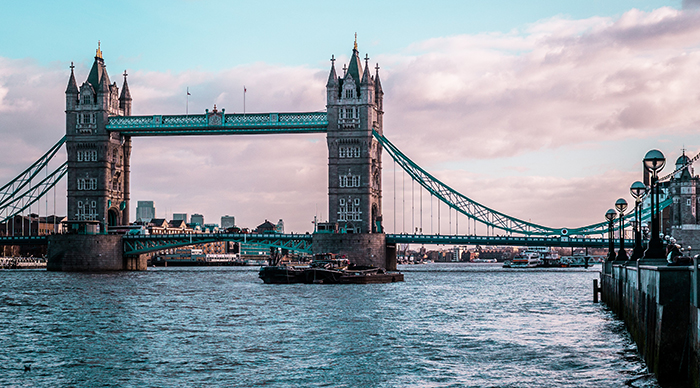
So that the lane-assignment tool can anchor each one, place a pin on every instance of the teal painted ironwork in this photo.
(11, 189)
(485, 215)
(21, 201)
(138, 244)
(24, 240)
(213, 123)
(558, 241)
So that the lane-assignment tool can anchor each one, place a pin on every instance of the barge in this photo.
(326, 269)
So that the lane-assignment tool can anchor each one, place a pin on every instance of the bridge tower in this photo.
(98, 176)
(354, 108)
(98, 162)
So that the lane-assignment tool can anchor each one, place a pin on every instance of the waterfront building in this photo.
(145, 211)
(197, 219)
(228, 222)
(681, 219)
(180, 216)
(266, 227)
(279, 228)
(210, 228)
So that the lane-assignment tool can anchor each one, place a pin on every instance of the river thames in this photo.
(447, 325)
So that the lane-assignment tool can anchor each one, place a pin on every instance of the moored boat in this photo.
(326, 269)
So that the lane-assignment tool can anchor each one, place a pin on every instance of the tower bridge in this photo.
(99, 128)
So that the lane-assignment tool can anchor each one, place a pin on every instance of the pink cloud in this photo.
(558, 84)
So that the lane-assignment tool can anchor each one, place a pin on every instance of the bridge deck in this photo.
(137, 244)
(503, 240)
(219, 124)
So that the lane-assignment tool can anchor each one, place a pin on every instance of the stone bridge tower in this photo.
(98, 161)
(354, 108)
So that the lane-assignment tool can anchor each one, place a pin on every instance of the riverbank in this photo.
(660, 307)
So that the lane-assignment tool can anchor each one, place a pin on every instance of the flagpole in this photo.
(187, 105)
(244, 90)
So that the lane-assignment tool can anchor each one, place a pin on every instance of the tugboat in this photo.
(327, 269)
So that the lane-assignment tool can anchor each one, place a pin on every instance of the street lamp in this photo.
(654, 161)
(610, 216)
(638, 189)
(621, 206)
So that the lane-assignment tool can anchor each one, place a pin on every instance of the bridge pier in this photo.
(359, 248)
(90, 253)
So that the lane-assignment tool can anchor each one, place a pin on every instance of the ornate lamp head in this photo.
(610, 214)
(638, 189)
(621, 205)
(654, 161)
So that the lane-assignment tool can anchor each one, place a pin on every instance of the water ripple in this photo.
(446, 326)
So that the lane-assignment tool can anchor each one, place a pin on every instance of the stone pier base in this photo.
(657, 303)
(90, 253)
(359, 248)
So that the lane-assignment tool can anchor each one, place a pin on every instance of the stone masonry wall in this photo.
(359, 248)
(654, 303)
(86, 253)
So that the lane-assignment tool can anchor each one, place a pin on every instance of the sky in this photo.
(542, 110)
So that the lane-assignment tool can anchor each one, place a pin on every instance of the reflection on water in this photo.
(447, 325)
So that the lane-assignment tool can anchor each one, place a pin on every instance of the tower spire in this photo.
(72, 85)
(98, 53)
(355, 48)
(332, 77)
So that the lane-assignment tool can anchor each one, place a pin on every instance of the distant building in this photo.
(210, 228)
(228, 221)
(279, 228)
(180, 216)
(266, 227)
(145, 211)
(197, 219)
(681, 219)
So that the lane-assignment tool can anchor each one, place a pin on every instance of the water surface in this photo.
(447, 325)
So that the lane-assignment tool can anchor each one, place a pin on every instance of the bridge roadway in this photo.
(138, 244)
(577, 242)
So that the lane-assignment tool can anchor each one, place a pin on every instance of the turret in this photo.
(332, 84)
(367, 84)
(71, 91)
(125, 98)
(378, 92)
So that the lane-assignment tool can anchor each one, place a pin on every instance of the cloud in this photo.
(691, 4)
(450, 102)
(555, 83)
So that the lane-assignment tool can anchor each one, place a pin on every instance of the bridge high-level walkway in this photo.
(219, 123)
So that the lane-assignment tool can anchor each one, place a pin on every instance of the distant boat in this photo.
(527, 259)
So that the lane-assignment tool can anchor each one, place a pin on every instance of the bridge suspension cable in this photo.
(20, 193)
(487, 216)
(8, 191)
(18, 203)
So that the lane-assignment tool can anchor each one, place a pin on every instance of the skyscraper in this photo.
(228, 221)
(197, 219)
(145, 211)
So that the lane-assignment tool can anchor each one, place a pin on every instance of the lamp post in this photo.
(654, 161)
(621, 206)
(637, 190)
(610, 216)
